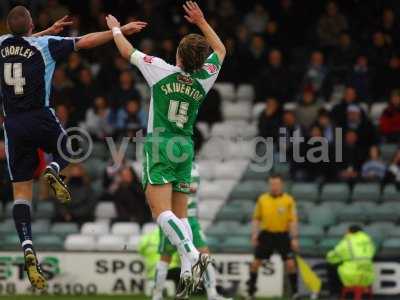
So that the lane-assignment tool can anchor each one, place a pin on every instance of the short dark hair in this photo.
(19, 20)
(355, 228)
(193, 51)
(276, 176)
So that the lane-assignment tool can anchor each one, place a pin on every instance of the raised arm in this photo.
(95, 39)
(56, 28)
(195, 16)
(123, 45)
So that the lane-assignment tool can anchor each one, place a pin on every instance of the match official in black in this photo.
(275, 230)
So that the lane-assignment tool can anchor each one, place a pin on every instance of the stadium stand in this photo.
(229, 184)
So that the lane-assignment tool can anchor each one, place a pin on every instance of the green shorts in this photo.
(168, 160)
(199, 240)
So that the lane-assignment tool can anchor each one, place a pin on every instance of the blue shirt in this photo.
(26, 70)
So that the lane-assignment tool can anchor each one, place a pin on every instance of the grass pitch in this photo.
(98, 297)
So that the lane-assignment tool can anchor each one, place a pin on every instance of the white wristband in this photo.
(116, 30)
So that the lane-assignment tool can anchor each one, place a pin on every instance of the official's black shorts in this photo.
(270, 242)
(25, 133)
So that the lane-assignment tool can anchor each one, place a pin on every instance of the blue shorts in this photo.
(24, 134)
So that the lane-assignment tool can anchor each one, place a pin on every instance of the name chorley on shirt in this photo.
(16, 50)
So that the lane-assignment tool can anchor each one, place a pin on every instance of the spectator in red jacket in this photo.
(389, 123)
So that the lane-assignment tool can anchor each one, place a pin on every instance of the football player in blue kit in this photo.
(26, 70)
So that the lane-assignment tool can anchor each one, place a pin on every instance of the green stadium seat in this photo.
(252, 174)
(390, 248)
(40, 227)
(388, 151)
(366, 192)
(250, 189)
(214, 244)
(8, 209)
(64, 229)
(228, 213)
(49, 242)
(386, 212)
(356, 212)
(282, 169)
(335, 192)
(390, 193)
(322, 217)
(7, 227)
(305, 192)
(327, 244)
(237, 245)
(11, 242)
(244, 230)
(376, 233)
(2, 214)
(311, 231)
(308, 246)
(221, 229)
(44, 210)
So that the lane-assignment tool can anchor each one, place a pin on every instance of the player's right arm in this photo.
(195, 16)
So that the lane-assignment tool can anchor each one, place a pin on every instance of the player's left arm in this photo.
(195, 16)
(124, 46)
(95, 39)
(56, 28)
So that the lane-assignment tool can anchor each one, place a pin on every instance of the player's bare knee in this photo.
(255, 265)
(291, 266)
(166, 258)
(23, 190)
(204, 250)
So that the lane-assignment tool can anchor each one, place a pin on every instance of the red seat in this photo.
(357, 291)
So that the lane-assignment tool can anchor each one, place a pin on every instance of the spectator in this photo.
(343, 55)
(125, 90)
(339, 111)
(210, 111)
(110, 71)
(255, 57)
(81, 209)
(393, 174)
(388, 78)
(316, 166)
(230, 71)
(325, 123)
(63, 115)
(73, 66)
(168, 50)
(361, 78)
(374, 169)
(316, 74)
(275, 79)
(257, 19)
(129, 119)
(353, 157)
(270, 119)
(129, 199)
(307, 110)
(330, 25)
(362, 125)
(83, 95)
(390, 26)
(97, 121)
(379, 52)
(56, 10)
(389, 122)
(272, 36)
